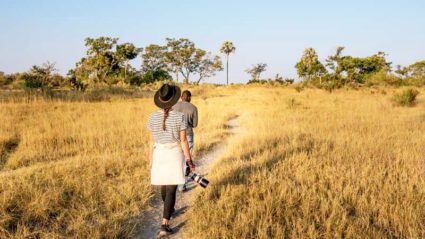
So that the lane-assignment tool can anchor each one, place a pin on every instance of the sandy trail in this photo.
(150, 228)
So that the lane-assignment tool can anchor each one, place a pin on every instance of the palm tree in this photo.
(227, 48)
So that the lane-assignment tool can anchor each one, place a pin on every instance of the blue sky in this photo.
(273, 32)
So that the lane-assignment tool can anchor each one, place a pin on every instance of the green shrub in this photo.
(289, 81)
(406, 97)
(154, 76)
(32, 81)
(383, 78)
(256, 81)
(76, 84)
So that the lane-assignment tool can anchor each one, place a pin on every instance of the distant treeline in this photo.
(107, 63)
(340, 70)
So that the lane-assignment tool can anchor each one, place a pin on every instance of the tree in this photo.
(105, 62)
(208, 66)
(402, 71)
(100, 57)
(309, 66)
(124, 53)
(334, 61)
(80, 75)
(183, 57)
(154, 58)
(176, 50)
(417, 70)
(356, 69)
(76, 82)
(256, 70)
(227, 48)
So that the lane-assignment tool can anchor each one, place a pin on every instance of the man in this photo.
(191, 113)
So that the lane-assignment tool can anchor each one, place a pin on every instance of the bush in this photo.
(155, 75)
(76, 83)
(383, 78)
(256, 81)
(289, 81)
(134, 80)
(406, 97)
(32, 81)
(6, 80)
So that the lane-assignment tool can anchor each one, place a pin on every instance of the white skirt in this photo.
(168, 164)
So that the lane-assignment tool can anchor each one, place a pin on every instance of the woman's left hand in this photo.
(191, 165)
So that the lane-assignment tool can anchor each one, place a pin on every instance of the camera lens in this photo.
(199, 179)
(204, 182)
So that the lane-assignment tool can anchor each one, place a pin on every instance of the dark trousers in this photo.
(168, 193)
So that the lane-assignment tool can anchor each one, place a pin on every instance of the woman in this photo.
(168, 149)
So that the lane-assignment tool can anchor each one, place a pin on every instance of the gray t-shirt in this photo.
(174, 123)
(191, 113)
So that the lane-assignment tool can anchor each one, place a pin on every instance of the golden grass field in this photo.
(307, 164)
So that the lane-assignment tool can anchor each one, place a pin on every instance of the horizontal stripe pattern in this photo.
(174, 123)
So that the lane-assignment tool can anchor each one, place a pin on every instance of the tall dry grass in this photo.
(307, 164)
(318, 165)
(80, 169)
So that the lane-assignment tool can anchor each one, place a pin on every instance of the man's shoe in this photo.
(165, 230)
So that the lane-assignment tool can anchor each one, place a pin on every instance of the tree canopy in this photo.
(256, 70)
(309, 65)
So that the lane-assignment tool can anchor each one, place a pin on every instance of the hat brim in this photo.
(164, 105)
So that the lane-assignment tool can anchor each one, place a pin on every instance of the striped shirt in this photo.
(174, 123)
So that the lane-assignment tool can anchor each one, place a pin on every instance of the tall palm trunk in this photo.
(227, 69)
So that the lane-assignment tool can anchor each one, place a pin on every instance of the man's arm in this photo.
(195, 118)
(185, 147)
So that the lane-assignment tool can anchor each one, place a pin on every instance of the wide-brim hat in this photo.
(167, 96)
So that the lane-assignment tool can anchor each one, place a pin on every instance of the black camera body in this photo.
(197, 178)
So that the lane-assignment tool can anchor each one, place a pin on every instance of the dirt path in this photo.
(150, 227)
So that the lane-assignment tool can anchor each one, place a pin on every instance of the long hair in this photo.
(165, 117)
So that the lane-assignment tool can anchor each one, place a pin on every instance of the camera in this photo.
(197, 178)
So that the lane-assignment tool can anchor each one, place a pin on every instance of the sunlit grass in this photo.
(307, 164)
(340, 165)
(80, 169)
